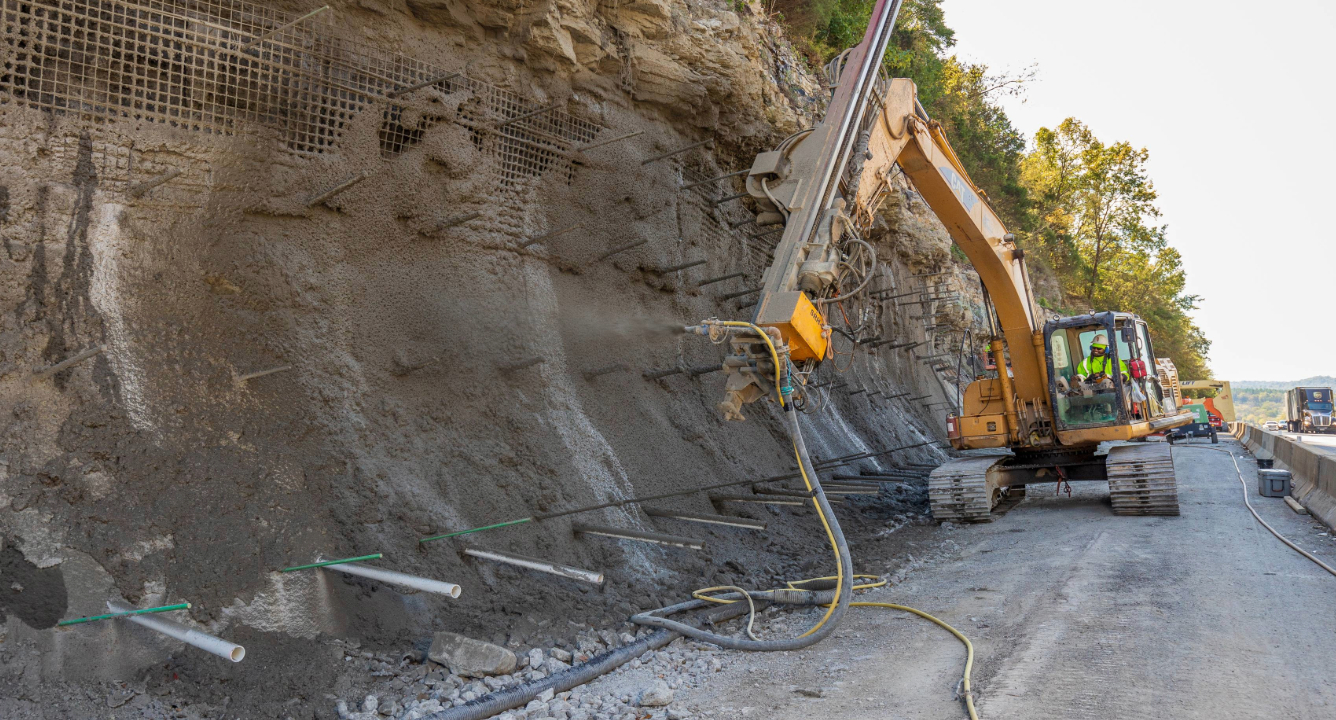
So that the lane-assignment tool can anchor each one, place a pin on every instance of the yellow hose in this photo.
(969, 647)
(825, 523)
(839, 570)
(792, 585)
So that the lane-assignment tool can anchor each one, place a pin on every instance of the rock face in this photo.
(377, 248)
(470, 658)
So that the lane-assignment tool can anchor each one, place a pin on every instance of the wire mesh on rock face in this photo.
(190, 64)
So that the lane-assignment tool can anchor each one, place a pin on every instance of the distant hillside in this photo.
(1317, 381)
(1261, 400)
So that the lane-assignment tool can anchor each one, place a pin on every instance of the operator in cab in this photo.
(1098, 366)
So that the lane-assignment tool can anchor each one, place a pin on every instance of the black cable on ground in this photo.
(1266, 525)
(497, 702)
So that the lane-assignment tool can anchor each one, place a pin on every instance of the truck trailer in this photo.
(1308, 410)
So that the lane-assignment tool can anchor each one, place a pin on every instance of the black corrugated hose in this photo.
(520, 695)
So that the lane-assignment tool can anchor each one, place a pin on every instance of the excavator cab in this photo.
(1090, 390)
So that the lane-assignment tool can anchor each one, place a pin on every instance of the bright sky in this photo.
(1235, 102)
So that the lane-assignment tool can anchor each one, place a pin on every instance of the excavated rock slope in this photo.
(433, 372)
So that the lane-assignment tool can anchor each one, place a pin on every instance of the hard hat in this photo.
(1101, 339)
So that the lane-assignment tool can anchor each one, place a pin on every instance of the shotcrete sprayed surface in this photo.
(154, 473)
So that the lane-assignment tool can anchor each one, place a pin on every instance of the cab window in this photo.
(1084, 390)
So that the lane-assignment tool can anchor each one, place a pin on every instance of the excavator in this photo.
(1044, 405)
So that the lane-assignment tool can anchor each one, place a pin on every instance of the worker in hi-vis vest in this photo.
(1095, 368)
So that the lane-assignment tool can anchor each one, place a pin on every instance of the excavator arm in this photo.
(905, 135)
(824, 187)
(821, 241)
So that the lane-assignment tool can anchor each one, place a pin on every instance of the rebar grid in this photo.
(180, 63)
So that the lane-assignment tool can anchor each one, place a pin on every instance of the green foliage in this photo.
(960, 96)
(1261, 400)
(1259, 404)
(1084, 210)
(1283, 385)
(1092, 219)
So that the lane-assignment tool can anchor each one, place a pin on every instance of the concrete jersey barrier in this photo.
(1314, 484)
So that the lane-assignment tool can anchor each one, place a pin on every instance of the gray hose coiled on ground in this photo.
(669, 630)
(841, 603)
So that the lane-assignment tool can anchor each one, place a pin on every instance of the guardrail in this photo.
(1314, 484)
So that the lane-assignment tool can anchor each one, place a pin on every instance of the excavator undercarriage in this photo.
(1140, 476)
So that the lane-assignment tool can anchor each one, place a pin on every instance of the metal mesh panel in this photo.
(714, 227)
(185, 64)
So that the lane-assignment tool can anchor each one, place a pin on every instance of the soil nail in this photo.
(725, 199)
(699, 370)
(540, 565)
(528, 115)
(325, 563)
(418, 86)
(683, 266)
(609, 141)
(637, 535)
(67, 363)
(660, 374)
(728, 520)
(144, 611)
(621, 249)
(336, 189)
(262, 373)
(274, 31)
(139, 189)
(758, 499)
(549, 236)
(740, 293)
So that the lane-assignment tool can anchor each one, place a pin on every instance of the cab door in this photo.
(1082, 398)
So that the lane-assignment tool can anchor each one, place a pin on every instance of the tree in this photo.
(1084, 210)
(1093, 219)
(1094, 200)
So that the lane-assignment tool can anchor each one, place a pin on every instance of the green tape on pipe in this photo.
(477, 529)
(144, 611)
(374, 556)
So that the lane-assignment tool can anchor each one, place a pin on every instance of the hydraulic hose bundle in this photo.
(837, 601)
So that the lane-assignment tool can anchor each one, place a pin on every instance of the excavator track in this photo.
(1141, 479)
(959, 491)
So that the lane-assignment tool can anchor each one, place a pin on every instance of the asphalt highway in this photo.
(1077, 613)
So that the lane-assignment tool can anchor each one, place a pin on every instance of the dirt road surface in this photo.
(1076, 613)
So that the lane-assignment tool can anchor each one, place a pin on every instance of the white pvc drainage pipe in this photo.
(398, 578)
(189, 636)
